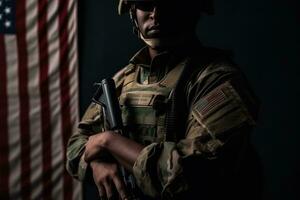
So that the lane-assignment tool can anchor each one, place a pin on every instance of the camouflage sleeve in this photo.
(90, 124)
(223, 112)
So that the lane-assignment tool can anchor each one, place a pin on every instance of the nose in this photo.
(154, 13)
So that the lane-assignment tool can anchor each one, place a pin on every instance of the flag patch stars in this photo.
(7, 16)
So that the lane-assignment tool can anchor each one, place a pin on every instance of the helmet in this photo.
(206, 6)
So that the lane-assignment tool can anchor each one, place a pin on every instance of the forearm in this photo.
(123, 149)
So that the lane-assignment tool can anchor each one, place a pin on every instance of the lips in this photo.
(154, 27)
(154, 30)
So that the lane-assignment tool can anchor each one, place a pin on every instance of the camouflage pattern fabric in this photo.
(222, 112)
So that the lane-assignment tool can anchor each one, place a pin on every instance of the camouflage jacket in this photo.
(222, 111)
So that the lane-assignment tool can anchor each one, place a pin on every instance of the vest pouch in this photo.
(140, 123)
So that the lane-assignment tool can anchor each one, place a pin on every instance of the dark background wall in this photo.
(264, 36)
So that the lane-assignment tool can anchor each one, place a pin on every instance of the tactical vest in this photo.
(144, 107)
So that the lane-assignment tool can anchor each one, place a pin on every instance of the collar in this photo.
(142, 57)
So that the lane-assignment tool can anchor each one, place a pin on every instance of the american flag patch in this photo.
(209, 102)
(7, 16)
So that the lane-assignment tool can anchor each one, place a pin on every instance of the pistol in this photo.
(107, 98)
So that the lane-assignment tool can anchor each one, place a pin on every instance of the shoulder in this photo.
(119, 76)
(212, 62)
(218, 80)
(212, 67)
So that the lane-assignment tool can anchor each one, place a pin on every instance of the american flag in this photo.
(38, 98)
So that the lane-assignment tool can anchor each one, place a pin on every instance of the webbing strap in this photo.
(172, 77)
(130, 74)
(138, 99)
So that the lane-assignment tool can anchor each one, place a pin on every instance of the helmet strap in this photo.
(135, 27)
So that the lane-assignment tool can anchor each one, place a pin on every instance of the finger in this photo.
(101, 191)
(89, 156)
(93, 153)
(120, 186)
(86, 156)
(108, 189)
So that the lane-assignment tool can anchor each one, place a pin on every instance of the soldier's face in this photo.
(157, 20)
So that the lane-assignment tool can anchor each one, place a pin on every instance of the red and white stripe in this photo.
(38, 101)
(4, 147)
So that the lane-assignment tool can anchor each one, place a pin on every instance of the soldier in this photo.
(188, 111)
